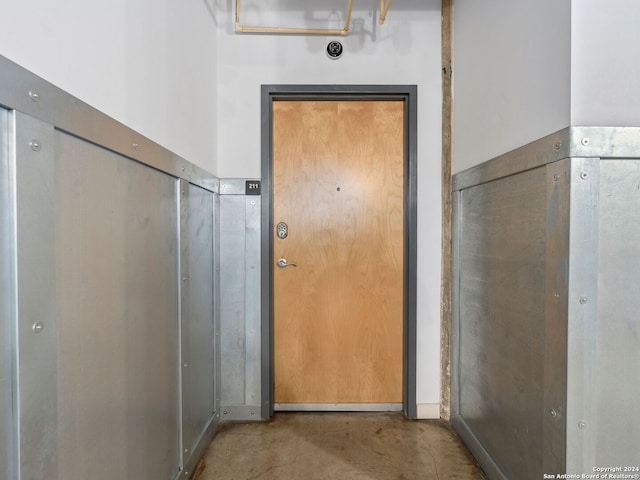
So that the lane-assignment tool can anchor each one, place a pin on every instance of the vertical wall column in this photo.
(240, 301)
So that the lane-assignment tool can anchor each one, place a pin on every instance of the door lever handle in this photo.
(282, 263)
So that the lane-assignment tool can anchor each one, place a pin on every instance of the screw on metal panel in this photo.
(35, 145)
(585, 141)
(582, 425)
(553, 413)
(583, 300)
(253, 202)
(37, 327)
(556, 177)
(184, 279)
(557, 146)
(185, 365)
(556, 295)
(252, 413)
(136, 146)
(34, 95)
(186, 450)
(183, 169)
(186, 474)
(217, 334)
(225, 412)
(584, 175)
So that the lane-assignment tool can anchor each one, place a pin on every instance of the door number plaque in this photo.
(252, 187)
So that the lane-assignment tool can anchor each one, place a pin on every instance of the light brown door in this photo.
(338, 184)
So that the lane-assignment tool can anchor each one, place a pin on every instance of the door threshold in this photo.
(337, 407)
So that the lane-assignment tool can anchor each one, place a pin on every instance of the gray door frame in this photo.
(406, 93)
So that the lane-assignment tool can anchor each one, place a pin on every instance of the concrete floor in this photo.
(310, 446)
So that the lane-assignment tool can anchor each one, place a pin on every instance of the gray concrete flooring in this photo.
(309, 446)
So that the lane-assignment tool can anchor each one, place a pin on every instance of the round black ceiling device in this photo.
(334, 49)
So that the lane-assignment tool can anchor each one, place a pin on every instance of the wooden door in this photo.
(338, 184)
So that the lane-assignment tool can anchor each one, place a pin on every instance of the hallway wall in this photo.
(604, 66)
(511, 75)
(150, 64)
(405, 50)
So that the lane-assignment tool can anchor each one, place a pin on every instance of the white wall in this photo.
(150, 64)
(511, 75)
(405, 50)
(605, 66)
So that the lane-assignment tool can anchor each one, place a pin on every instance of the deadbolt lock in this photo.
(282, 230)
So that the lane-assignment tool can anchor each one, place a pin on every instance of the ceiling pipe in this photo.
(300, 31)
(384, 8)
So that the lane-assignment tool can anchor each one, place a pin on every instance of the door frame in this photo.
(406, 93)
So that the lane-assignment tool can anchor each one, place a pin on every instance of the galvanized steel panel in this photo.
(197, 319)
(616, 421)
(232, 299)
(37, 319)
(582, 376)
(252, 309)
(502, 319)
(582, 313)
(7, 302)
(116, 289)
(240, 299)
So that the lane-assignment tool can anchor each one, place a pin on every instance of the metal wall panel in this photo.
(582, 377)
(197, 315)
(91, 302)
(7, 303)
(116, 251)
(36, 314)
(616, 421)
(582, 314)
(501, 331)
(240, 302)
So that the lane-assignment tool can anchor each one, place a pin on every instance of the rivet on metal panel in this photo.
(253, 202)
(35, 145)
(556, 296)
(225, 412)
(582, 425)
(37, 327)
(184, 279)
(217, 334)
(553, 413)
(34, 95)
(183, 169)
(185, 365)
(585, 141)
(584, 175)
(557, 146)
(252, 413)
(136, 146)
(186, 450)
(186, 474)
(583, 300)
(556, 177)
